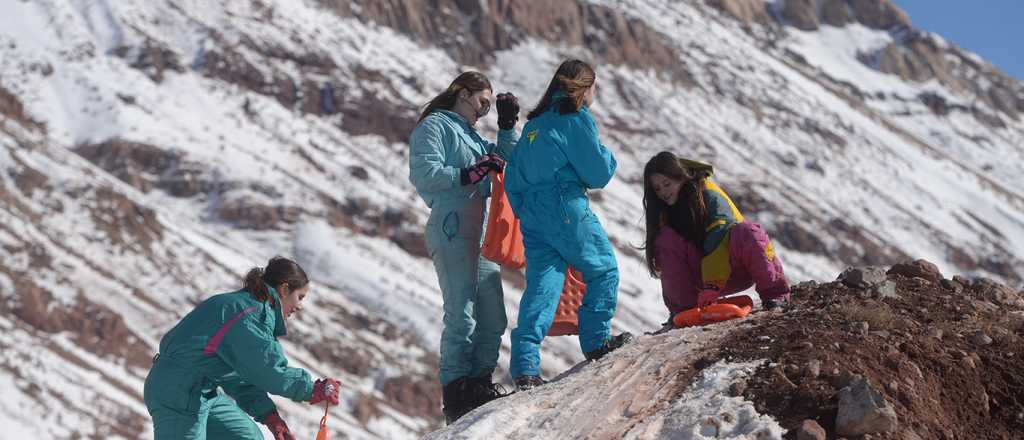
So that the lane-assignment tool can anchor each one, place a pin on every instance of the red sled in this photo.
(725, 309)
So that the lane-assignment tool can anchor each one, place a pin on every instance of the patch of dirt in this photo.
(920, 350)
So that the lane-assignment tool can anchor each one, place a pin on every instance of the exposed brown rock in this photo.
(152, 58)
(802, 13)
(414, 395)
(11, 107)
(125, 222)
(248, 214)
(610, 35)
(836, 13)
(917, 268)
(746, 11)
(147, 167)
(793, 235)
(93, 326)
(879, 14)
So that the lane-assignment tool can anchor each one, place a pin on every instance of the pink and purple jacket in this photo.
(734, 255)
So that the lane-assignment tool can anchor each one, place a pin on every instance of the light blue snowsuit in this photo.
(474, 307)
(557, 159)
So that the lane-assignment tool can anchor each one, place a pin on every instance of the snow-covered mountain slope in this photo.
(154, 150)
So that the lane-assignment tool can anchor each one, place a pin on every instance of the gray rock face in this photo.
(863, 410)
(862, 277)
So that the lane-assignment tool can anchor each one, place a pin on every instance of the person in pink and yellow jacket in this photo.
(698, 242)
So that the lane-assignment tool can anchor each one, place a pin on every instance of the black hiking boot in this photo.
(609, 345)
(524, 383)
(482, 390)
(780, 303)
(457, 399)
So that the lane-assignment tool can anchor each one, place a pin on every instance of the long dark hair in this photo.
(471, 81)
(688, 216)
(573, 77)
(279, 271)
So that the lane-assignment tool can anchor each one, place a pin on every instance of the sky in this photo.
(990, 28)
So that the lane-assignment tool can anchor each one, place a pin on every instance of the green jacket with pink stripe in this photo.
(227, 341)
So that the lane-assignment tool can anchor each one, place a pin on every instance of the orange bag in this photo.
(503, 242)
(567, 315)
(725, 309)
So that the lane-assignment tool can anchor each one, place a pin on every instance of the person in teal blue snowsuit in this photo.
(449, 164)
(217, 365)
(558, 158)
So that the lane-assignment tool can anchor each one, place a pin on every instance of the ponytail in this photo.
(279, 270)
(574, 78)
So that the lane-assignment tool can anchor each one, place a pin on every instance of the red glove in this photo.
(708, 296)
(278, 427)
(326, 390)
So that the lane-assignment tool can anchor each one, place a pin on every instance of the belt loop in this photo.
(155, 357)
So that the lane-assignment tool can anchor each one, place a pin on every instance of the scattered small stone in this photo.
(965, 317)
(935, 333)
(951, 285)
(763, 338)
(911, 435)
(892, 387)
(915, 370)
(880, 333)
(861, 328)
(737, 388)
(886, 290)
(980, 338)
(813, 369)
(844, 379)
(780, 377)
(961, 280)
(806, 345)
(968, 362)
(810, 430)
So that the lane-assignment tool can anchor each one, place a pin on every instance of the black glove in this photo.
(479, 170)
(508, 110)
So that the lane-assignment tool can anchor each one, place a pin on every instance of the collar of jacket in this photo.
(279, 327)
(455, 117)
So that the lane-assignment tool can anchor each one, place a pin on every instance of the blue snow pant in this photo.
(559, 230)
(474, 305)
(199, 412)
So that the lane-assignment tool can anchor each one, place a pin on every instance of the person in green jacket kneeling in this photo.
(227, 346)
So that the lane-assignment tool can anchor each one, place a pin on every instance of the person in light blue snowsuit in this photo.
(449, 164)
(558, 158)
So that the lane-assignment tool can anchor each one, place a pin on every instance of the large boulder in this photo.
(863, 410)
(862, 277)
(917, 268)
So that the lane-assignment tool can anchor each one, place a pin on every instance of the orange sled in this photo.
(725, 309)
(503, 242)
(567, 315)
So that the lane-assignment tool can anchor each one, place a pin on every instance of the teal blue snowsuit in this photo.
(558, 158)
(229, 343)
(474, 306)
